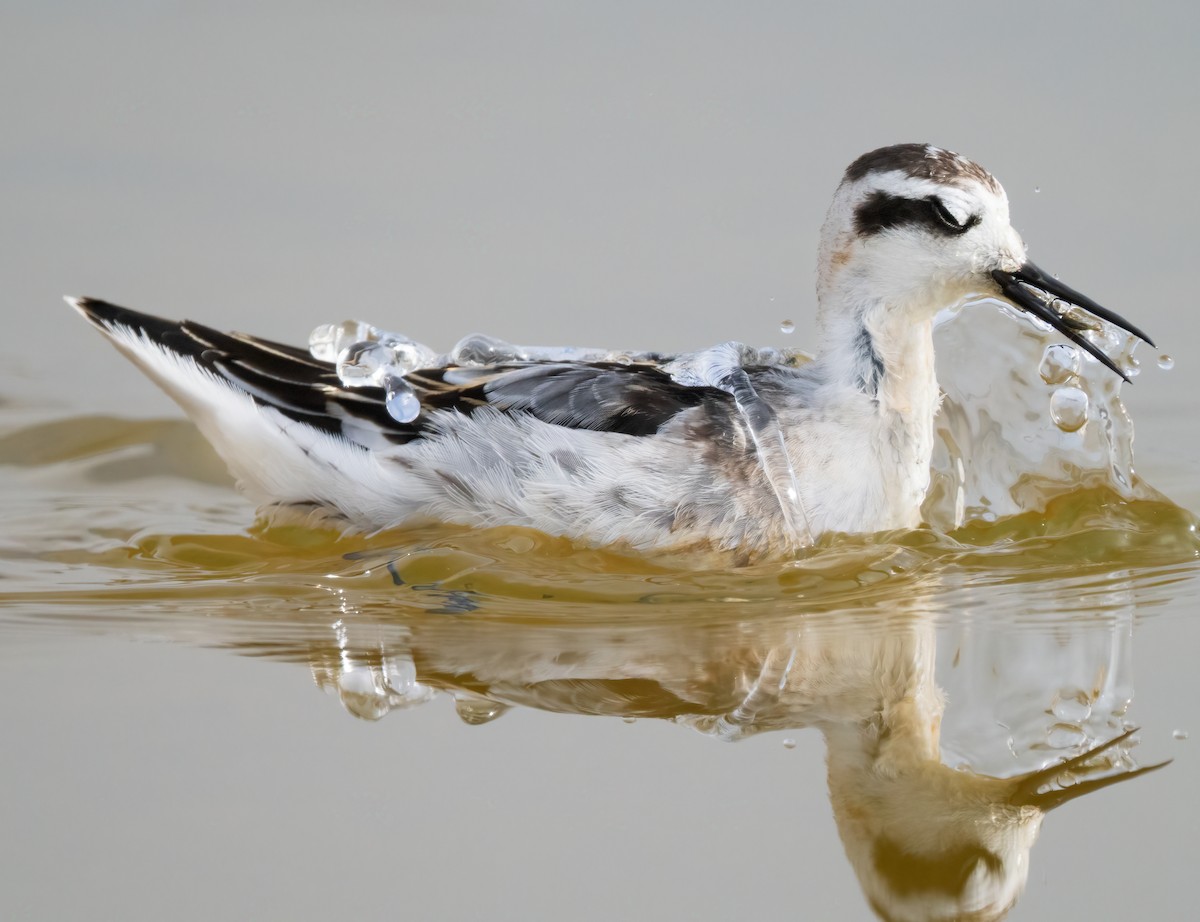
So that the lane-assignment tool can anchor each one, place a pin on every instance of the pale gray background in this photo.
(628, 174)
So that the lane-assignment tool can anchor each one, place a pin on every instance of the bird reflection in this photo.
(926, 840)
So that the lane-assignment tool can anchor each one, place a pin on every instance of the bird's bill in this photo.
(1028, 789)
(1022, 288)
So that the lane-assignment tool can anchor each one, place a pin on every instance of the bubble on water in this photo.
(1165, 362)
(402, 403)
(1069, 408)
(787, 326)
(789, 743)
(364, 364)
(1179, 734)
(1037, 189)
(327, 341)
(629, 720)
(1060, 363)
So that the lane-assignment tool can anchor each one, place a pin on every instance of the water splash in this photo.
(1069, 408)
(723, 367)
(364, 364)
(1025, 417)
(1060, 363)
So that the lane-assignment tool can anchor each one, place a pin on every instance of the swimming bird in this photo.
(729, 449)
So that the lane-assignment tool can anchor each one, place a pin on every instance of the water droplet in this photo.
(1069, 408)
(1107, 339)
(364, 364)
(407, 357)
(1065, 736)
(327, 341)
(1037, 189)
(476, 710)
(1060, 363)
(629, 720)
(787, 327)
(1180, 734)
(477, 349)
(360, 694)
(789, 743)
(1165, 362)
(320, 342)
(402, 404)
(1072, 705)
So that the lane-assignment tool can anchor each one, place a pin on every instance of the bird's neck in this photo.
(878, 369)
(883, 351)
(898, 724)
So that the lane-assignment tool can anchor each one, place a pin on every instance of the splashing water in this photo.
(1060, 363)
(1069, 408)
(723, 367)
(1025, 417)
(366, 356)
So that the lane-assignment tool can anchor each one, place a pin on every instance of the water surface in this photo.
(1032, 629)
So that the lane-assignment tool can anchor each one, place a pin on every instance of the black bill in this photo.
(1018, 287)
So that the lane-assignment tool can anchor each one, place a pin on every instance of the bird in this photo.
(745, 452)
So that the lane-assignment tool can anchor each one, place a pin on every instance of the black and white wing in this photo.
(635, 399)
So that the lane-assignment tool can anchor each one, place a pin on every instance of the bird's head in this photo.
(931, 843)
(914, 228)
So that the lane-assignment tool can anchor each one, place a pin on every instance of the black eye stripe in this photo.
(881, 211)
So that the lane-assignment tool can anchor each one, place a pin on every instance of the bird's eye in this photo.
(947, 219)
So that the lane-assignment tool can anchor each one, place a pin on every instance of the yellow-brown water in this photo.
(128, 529)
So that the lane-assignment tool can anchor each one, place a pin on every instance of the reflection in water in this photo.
(1024, 625)
(927, 841)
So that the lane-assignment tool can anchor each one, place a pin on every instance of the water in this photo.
(362, 364)
(176, 742)
(1002, 643)
(1060, 363)
(401, 401)
(1069, 408)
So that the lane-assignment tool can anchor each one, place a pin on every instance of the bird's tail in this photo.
(280, 419)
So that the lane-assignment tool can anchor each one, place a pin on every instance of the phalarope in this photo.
(728, 449)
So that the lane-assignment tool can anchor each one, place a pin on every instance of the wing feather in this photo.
(635, 399)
